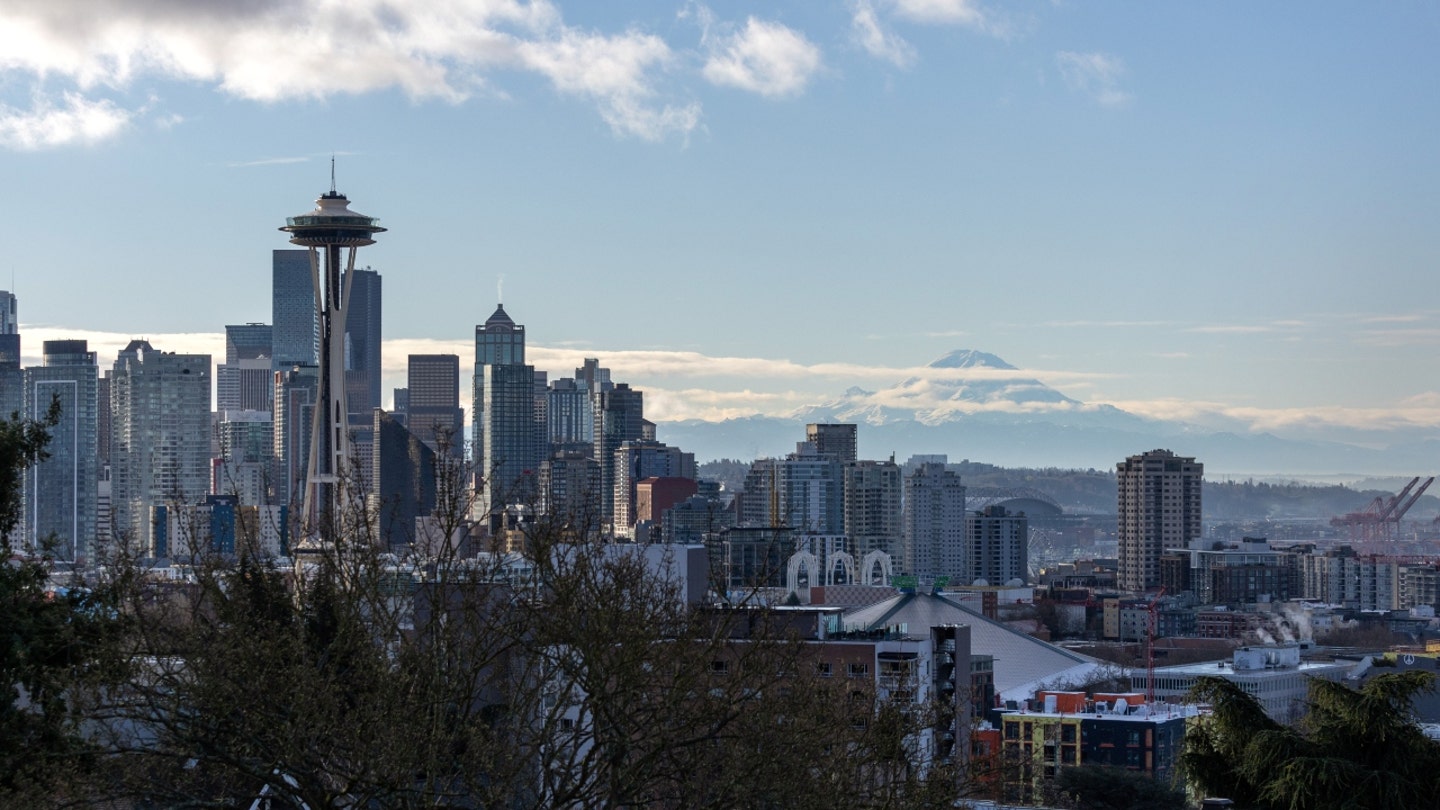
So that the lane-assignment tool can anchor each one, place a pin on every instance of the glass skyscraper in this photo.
(61, 492)
(507, 442)
(362, 344)
(295, 323)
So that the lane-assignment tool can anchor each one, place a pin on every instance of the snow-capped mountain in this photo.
(972, 404)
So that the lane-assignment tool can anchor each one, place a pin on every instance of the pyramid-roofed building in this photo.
(1023, 664)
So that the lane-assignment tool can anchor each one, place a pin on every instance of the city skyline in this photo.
(1213, 216)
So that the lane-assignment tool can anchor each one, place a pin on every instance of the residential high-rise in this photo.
(432, 402)
(934, 541)
(804, 491)
(635, 461)
(295, 324)
(333, 233)
(569, 488)
(874, 520)
(245, 467)
(997, 546)
(1159, 508)
(362, 343)
(61, 491)
(836, 441)
(506, 442)
(160, 442)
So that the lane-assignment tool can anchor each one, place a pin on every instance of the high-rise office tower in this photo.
(506, 442)
(934, 541)
(362, 343)
(160, 440)
(12, 378)
(873, 517)
(60, 492)
(295, 391)
(246, 384)
(570, 406)
(403, 476)
(432, 402)
(568, 416)
(619, 417)
(837, 441)
(247, 341)
(333, 233)
(245, 381)
(295, 324)
(9, 314)
(1159, 508)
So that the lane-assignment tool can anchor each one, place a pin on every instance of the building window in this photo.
(858, 670)
(823, 669)
(719, 667)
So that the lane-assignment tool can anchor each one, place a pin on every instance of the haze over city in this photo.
(1215, 214)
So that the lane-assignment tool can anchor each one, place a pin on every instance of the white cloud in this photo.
(1094, 74)
(1415, 412)
(272, 50)
(956, 12)
(876, 39)
(76, 120)
(763, 57)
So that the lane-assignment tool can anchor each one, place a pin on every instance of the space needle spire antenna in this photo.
(333, 233)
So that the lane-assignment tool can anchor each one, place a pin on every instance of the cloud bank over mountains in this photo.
(963, 391)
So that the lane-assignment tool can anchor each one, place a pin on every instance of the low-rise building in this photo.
(1275, 675)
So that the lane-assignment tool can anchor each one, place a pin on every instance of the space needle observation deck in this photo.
(333, 233)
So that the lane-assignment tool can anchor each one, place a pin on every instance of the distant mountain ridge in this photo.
(1001, 417)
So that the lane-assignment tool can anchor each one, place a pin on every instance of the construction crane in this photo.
(1150, 648)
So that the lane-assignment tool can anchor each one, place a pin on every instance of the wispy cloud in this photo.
(276, 161)
(1096, 75)
(1410, 317)
(1395, 338)
(870, 33)
(1233, 329)
(762, 57)
(1103, 324)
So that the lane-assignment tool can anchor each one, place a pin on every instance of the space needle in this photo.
(331, 231)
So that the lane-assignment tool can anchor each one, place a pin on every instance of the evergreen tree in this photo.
(50, 643)
(1355, 749)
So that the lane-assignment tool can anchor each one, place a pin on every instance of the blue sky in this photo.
(1219, 212)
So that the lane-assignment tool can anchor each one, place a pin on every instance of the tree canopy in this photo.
(1355, 749)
